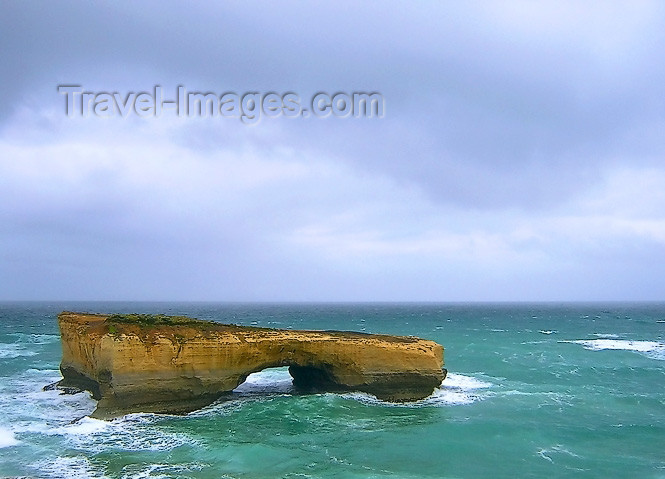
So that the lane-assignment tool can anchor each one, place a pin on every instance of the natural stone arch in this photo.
(176, 365)
(316, 377)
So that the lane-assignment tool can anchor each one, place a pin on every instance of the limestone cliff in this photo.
(145, 363)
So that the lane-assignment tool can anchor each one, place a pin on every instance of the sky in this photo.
(520, 156)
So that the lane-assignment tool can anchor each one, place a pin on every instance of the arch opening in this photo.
(288, 379)
(270, 380)
(313, 379)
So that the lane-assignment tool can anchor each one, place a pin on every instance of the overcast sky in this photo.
(521, 155)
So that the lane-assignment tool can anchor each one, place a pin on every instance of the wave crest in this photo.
(651, 349)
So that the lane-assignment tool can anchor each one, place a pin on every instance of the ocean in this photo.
(533, 390)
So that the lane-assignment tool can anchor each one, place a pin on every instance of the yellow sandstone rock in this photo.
(146, 363)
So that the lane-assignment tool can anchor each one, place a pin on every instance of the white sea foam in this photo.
(134, 432)
(273, 380)
(84, 426)
(456, 389)
(14, 350)
(606, 335)
(29, 409)
(36, 338)
(547, 331)
(155, 471)
(68, 467)
(460, 381)
(557, 449)
(7, 438)
(651, 349)
(38, 410)
(152, 471)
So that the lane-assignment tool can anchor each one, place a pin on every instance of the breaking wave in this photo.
(651, 349)
(456, 389)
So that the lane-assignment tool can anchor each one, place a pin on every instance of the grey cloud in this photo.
(485, 115)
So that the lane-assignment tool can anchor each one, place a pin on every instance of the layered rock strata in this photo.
(146, 363)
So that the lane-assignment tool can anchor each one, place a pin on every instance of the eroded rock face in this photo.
(135, 366)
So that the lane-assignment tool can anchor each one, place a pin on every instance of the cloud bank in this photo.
(520, 156)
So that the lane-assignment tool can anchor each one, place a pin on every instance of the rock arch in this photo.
(176, 365)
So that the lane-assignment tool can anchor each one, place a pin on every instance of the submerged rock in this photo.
(176, 364)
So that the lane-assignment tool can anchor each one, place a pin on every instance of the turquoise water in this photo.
(533, 391)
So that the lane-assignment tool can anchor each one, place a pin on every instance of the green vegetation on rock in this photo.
(153, 319)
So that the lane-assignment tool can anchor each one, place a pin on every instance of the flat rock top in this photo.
(183, 326)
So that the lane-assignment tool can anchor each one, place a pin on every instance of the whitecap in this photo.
(651, 349)
(456, 389)
(606, 335)
(158, 471)
(133, 432)
(547, 453)
(547, 331)
(364, 398)
(66, 467)
(36, 338)
(449, 396)
(14, 350)
(82, 427)
(7, 438)
(33, 410)
(462, 381)
(272, 380)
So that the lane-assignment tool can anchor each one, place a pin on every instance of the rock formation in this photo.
(155, 363)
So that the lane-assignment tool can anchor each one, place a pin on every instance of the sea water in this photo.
(533, 390)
